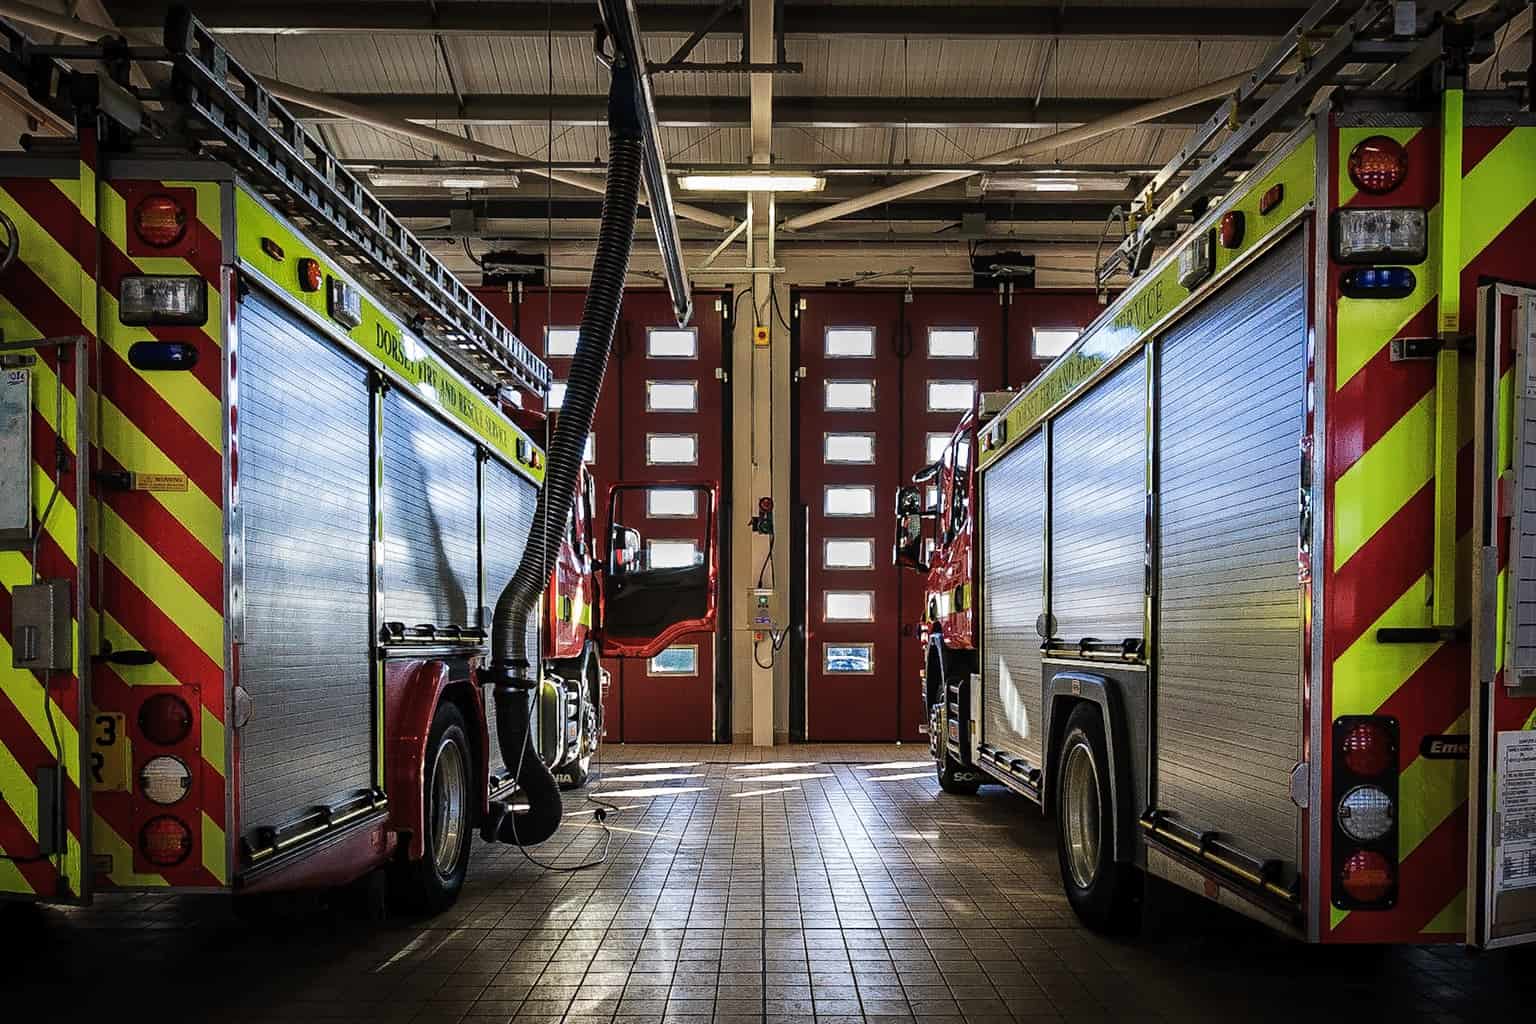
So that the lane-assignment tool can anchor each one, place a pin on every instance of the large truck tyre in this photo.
(432, 884)
(954, 777)
(1105, 893)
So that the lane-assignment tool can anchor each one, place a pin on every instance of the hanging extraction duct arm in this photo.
(634, 158)
(623, 28)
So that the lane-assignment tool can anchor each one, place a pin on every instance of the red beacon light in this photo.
(160, 221)
(1378, 165)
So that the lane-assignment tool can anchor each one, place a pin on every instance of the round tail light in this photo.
(1378, 165)
(160, 221)
(165, 841)
(165, 719)
(1367, 877)
(1367, 749)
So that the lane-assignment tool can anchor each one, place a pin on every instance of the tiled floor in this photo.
(813, 885)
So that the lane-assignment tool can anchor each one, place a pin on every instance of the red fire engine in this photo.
(1253, 587)
(259, 491)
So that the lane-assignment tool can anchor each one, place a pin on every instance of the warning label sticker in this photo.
(1515, 826)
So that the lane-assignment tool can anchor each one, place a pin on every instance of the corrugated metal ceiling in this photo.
(841, 66)
(939, 68)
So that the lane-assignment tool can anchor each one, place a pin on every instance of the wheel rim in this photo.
(1080, 815)
(449, 786)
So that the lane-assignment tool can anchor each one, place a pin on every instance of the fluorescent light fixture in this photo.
(752, 182)
(1024, 182)
(453, 182)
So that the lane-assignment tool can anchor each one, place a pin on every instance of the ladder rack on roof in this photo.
(1330, 38)
(250, 128)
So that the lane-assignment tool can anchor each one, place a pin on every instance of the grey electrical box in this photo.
(15, 458)
(41, 637)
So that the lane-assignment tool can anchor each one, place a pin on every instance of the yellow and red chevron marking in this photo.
(37, 722)
(158, 554)
(1381, 442)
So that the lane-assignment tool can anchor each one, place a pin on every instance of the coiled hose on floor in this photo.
(513, 669)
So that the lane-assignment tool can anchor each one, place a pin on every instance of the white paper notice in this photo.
(1515, 860)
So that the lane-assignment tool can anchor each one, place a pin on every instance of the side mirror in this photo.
(909, 529)
(623, 550)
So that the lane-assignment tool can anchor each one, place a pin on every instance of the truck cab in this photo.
(935, 536)
(573, 679)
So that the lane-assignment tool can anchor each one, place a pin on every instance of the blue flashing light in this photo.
(1378, 283)
(162, 355)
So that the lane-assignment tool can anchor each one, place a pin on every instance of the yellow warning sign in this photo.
(159, 481)
(760, 337)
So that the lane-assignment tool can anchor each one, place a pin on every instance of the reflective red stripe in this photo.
(158, 632)
(171, 540)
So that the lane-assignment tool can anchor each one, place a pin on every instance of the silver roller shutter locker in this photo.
(1231, 417)
(1013, 494)
(1098, 510)
(305, 414)
(431, 520)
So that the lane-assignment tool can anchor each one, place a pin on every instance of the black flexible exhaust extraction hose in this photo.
(513, 669)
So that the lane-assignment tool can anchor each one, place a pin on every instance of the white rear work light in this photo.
(1365, 813)
(174, 299)
(165, 779)
(1381, 235)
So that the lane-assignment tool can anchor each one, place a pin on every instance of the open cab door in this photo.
(910, 514)
(661, 575)
(1501, 867)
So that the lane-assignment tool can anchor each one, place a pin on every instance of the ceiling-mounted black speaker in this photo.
(503, 266)
(988, 269)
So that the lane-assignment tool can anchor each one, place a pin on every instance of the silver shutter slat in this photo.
(431, 558)
(305, 412)
(1012, 599)
(1098, 510)
(509, 503)
(1228, 665)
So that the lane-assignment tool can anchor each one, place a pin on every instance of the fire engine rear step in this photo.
(1261, 877)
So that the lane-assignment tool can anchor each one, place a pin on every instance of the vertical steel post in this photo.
(1448, 361)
